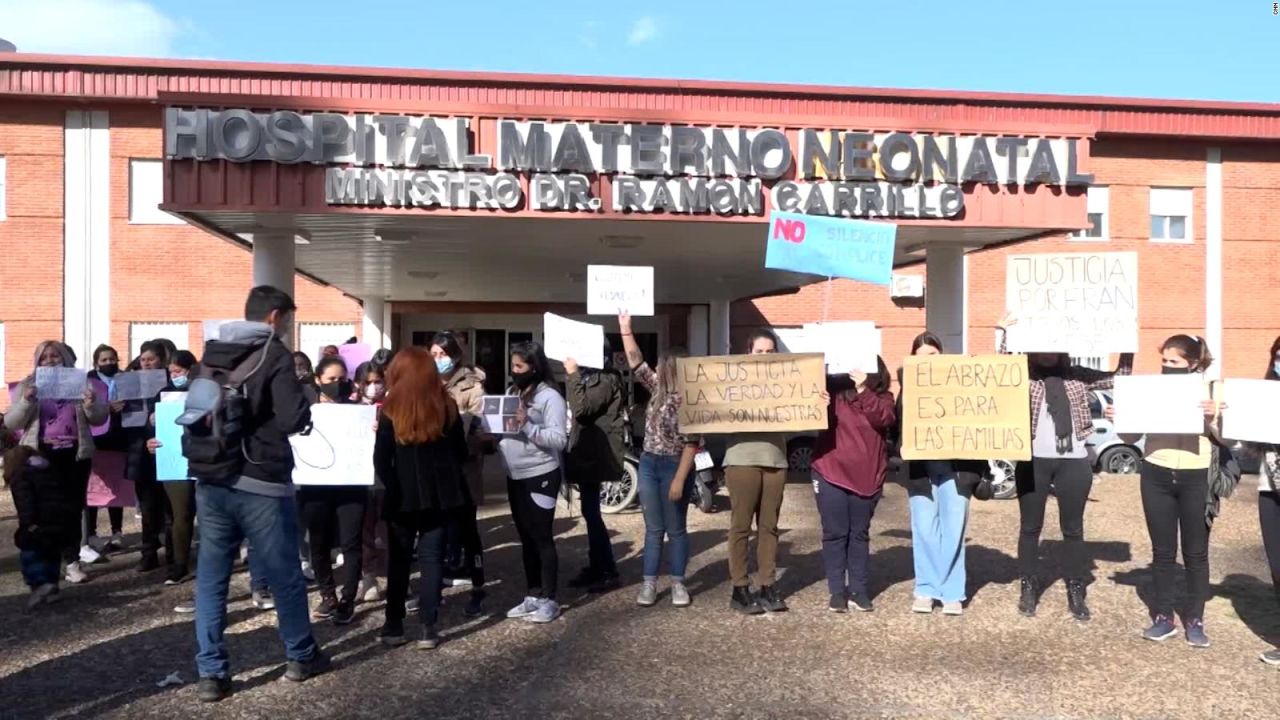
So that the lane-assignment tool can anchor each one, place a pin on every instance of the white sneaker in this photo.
(680, 595)
(307, 572)
(648, 593)
(368, 591)
(76, 574)
(953, 608)
(526, 608)
(922, 605)
(88, 555)
(548, 611)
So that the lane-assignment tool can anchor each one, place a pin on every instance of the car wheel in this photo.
(1002, 479)
(1122, 460)
(800, 454)
(618, 495)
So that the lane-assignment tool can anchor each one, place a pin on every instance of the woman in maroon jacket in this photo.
(849, 465)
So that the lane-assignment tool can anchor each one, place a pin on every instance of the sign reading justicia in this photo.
(408, 161)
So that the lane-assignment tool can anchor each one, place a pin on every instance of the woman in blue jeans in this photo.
(664, 467)
(938, 493)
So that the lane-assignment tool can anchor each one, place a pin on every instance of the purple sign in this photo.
(355, 354)
(100, 390)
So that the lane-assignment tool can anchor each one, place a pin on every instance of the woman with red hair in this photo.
(418, 454)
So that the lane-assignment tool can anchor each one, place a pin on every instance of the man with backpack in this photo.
(239, 415)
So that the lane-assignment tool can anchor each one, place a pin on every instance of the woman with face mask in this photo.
(1060, 424)
(1175, 497)
(302, 367)
(532, 455)
(62, 431)
(464, 551)
(371, 390)
(665, 466)
(108, 459)
(340, 510)
(153, 501)
(1269, 500)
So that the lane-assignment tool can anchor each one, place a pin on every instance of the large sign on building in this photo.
(405, 161)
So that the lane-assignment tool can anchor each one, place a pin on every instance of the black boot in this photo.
(1075, 600)
(745, 602)
(1030, 597)
(771, 600)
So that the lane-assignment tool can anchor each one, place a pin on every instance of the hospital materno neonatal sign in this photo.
(405, 161)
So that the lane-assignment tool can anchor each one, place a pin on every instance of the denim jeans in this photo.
(270, 524)
(938, 521)
(40, 567)
(663, 519)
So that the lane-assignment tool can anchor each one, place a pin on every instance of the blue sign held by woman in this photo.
(831, 247)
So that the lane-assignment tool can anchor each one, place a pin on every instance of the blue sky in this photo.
(1213, 49)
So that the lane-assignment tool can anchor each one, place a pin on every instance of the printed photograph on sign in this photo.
(618, 290)
(500, 414)
(1085, 304)
(956, 407)
(752, 393)
(1159, 404)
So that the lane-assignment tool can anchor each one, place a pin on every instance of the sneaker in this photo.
(838, 604)
(40, 595)
(213, 689)
(475, 605)
(460, 582)
(744, 601)
(97, 544)
(368, 591)
(922, 605)
(548, 610)
(76, 574)
(526, 608)
(304, 671)
(953, 609)
(1271, 657)
(263, 600)
(770, 599)
(115, 543)
(680, 595)
(88, 555)
(345, 613)
(392, 634)
(307, 572)
(608, 582)
(411, 604)
(150, 561)
(1196, 636)
(430, 639)
(326, 609)
(1162, 628)
(860, 602)
(648, 596)
(186, 607)
(177, 574)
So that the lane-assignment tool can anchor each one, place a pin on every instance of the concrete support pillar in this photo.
(698, 337)
(86, 299)
(273, 264)
(376, 328)
(946, 296)
(1213, 261)
(718, 327)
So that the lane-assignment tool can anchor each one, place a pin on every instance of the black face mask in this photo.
(336, 391)
(108, 370)
(1166, 370)
(523, 380)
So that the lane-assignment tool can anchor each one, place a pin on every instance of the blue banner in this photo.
(831, 247)
(170, 463)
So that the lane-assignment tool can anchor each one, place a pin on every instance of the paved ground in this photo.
(101, 652)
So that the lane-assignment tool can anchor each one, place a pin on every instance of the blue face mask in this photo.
(444, 365)
(180, 381)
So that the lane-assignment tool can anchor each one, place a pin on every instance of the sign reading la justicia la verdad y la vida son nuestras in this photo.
(417, 161)
(752, 393)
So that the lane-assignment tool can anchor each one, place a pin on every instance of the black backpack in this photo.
(214, 442)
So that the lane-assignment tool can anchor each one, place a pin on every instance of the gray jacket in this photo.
(535, 450)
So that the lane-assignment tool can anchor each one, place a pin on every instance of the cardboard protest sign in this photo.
(171, 464)
(1085, 304)
(966, 408)
(565, 338)
(339, 448)
(618, 289)
(752, 393)
(1159, 404)
(1250, 414)
(847, 346)
(831, 247)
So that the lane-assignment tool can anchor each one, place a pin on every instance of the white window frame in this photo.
(146, 192)
(4, 188)
(1098, 203)
(140, 332)
(1170, 203)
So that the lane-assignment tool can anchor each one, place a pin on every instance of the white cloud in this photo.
(643, 30)
(90, 27)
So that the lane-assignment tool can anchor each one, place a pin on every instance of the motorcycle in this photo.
(621, 494)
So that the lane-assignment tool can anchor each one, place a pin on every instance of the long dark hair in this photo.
(1194, 349)
(763, 334)
(877, 382)
(535, 357)
(927, 338)
(448, 342)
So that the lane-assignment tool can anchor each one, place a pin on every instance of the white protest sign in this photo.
(60, 383)
(339, 448)
(847, 346)
(1250, 414)
(565, 338)
(1161, 404)
(140, 384)
(619, 289)
(1085, 304)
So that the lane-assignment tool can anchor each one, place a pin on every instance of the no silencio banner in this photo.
(1085, 304)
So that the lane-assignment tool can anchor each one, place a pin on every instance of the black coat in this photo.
(48, 515)
(114, 439)
(421, 477)
(595, 401)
